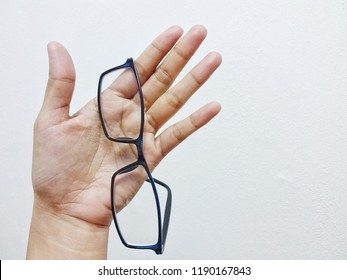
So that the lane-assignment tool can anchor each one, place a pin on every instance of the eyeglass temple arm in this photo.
(167, 212)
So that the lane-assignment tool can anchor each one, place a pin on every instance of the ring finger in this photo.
(170, 102)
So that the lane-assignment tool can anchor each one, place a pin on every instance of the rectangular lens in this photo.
(120, 104)
(138, 220)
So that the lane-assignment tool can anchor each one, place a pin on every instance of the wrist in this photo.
(59, 236)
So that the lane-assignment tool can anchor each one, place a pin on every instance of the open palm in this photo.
(73, 161)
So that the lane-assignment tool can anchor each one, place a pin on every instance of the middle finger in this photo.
(168, 70)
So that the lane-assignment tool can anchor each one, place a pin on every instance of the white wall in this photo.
(265, 180)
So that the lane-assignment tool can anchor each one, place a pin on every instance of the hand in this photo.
(73, 161)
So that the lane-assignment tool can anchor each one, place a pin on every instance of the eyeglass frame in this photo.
(163, 225)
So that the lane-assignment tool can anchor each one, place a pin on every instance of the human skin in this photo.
(73, 160)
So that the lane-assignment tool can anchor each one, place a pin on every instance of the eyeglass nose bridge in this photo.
(137, 142)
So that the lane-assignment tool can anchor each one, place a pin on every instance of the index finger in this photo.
(150, 58)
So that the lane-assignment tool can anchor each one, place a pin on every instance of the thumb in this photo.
(60, 85)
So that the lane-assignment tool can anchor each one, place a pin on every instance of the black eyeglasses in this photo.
(142, 224)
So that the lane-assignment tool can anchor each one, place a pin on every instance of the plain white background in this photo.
(267, 179)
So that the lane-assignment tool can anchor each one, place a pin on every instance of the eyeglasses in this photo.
(142, 224)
